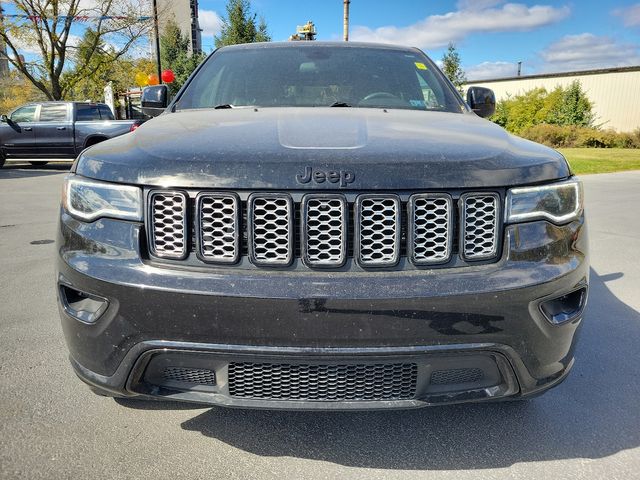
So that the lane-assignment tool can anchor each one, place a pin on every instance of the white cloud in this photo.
(210, 23)
(586, 51)
(477, 4)
(436, 31)
(487, 70)
(630, 15)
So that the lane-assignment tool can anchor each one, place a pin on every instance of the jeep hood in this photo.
(267, 148)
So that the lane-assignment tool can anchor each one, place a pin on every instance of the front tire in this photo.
(3, 158)
(38, 164)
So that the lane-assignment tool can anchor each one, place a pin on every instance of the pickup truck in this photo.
(313, 225)
(46, 130)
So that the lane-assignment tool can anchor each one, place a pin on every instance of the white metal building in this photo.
(185, 14)
(615, 92)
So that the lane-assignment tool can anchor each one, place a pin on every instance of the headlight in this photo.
(89, 199)
(559, 202)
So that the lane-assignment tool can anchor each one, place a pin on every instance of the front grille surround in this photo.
(166, 223)
(479, 231)
(370, 249)
(427, 243)
(313, 218)
(213, 244)
(271, 232)
(190, 255)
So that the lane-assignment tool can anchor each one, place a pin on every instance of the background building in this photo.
(4, 63)
(185, 14)
(614, 92)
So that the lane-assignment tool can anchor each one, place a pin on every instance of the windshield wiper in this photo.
(223, 106)
(340, 104)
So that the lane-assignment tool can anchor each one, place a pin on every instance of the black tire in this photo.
(39, 163)
(2, 158)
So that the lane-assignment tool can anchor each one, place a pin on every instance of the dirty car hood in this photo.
(274, 148)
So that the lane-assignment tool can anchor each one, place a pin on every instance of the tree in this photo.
(121, 74)
(46, 25)
(91, 54)
(15, 90)
(175, 55)
(452, 69)
(576, 109)
(239, 26)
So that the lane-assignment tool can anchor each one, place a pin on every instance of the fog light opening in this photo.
(565, 308)
(81, 305)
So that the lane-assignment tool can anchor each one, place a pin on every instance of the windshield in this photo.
(316, 76)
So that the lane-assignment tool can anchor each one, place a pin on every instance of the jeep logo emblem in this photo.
(343, 177)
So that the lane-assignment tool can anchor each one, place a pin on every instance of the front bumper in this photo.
(444, 319)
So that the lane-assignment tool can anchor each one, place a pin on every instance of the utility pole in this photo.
(157, 35)
(346, 20)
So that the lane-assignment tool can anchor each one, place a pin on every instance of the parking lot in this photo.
(52, 426)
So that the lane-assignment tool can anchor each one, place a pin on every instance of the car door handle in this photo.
(27, 129)
(61, 128)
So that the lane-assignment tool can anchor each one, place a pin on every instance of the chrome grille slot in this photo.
(480, 220)
(218, 227)
(168, 224)
(271, 229)
(324, 230)
(378, 230)
(431, 221)
(323, 382)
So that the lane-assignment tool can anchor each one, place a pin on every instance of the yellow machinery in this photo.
(304, 32)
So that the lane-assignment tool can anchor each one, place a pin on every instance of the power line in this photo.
(78, 18)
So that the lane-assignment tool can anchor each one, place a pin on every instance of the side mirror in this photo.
(154, 100)
(4, 118)
(482, 101)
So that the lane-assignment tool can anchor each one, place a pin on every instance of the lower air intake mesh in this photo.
(323, 382)
(190, 375)
(456, 375)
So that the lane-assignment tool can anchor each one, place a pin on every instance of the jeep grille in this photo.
(168, 224)
(270, 229)
(218, 231)
(378, 230)
(432, 228)
(324, 230)
(480, 225)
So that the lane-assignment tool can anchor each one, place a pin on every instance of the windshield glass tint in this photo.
(313, 76)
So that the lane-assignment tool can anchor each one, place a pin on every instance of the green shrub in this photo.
(562, 106)
(571, 136)
(551, 135)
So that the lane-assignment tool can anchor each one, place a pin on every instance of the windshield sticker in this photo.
(417, 103)
(420, 66)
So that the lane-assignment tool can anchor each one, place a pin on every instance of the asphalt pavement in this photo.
(53, 427)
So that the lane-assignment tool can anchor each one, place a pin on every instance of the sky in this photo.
(491, 36)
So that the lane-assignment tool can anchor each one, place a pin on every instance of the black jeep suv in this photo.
(321, 225)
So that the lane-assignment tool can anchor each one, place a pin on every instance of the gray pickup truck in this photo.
(61, 130)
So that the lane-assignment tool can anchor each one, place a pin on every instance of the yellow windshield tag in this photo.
(420, 66)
